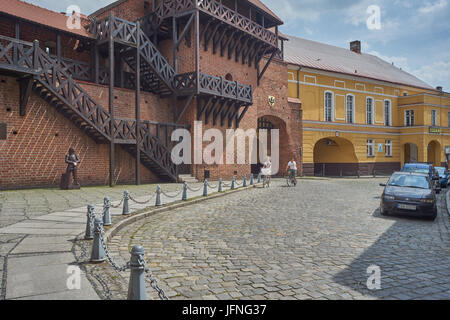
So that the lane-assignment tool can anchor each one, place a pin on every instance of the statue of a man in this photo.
(72, 161)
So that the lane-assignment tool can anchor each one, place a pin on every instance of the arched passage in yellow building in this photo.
(434, 153)
(335, 157)
(411, 153)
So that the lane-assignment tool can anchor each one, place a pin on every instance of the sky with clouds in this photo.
(414, 34)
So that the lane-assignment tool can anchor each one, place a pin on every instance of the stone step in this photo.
(187, 178)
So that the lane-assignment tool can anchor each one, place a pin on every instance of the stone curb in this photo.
(447, 202)
(111, 232)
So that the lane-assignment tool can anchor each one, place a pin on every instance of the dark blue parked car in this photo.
(443, 176)
(424, 168)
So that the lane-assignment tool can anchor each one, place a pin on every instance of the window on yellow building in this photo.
(328, 106)
(388, 148)
(350, 108)
(387, 113)
(434, 118)
(370, 148)
(448, 119)
(369, 112)
(409, 118)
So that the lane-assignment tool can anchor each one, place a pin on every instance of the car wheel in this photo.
(384, 212)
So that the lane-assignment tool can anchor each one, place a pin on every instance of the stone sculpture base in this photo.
(66, 183)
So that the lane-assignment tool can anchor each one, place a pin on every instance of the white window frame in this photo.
(388, 148)
(353, 108)
(370, 148)
(325, 106)
(373, 110)
(390, 113)
(406, 118)
(434, 118)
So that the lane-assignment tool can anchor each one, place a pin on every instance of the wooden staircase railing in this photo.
(57, 87)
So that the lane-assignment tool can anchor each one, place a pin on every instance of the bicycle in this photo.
(265, 174)
(290, 179)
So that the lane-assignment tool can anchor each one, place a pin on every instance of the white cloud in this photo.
(433, 7)
(399, 62)
(436, 73)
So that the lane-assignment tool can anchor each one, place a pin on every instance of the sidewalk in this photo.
(37, 251)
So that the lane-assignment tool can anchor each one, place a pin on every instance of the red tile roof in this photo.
(36, 14)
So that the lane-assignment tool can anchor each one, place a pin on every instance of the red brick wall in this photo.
(34, 156)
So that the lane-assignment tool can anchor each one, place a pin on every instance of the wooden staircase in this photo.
(48, 79)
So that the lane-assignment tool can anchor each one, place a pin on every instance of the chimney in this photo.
(355, 46)
(439, 89)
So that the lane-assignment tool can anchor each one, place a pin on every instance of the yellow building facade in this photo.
(355, 125)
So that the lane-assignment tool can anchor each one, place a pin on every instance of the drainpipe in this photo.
(298, 82)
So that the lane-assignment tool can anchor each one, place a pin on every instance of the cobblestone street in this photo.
(315, 241)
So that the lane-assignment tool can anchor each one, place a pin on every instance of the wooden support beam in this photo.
(241, 116)
(201, 110)
(138, 104)
(240, 48)
(218, 40)
(218, 112)
(233, 46)
(183, 33)
(212, 110)
(25, 86)
(185, 107)
(225, 44)
(211, 35)
(111, 103)
(261, 74)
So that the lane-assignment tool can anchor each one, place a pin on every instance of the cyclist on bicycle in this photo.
(267, 169)
(292, 169)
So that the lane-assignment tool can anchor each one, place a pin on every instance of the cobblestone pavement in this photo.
(19, 205)
(315, 241)
(38, 226)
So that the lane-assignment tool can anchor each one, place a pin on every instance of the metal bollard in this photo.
(158, 197)
(259, 178)
(185, 189)
(205, 188)
(220, 185)
(233, 183)
(89, 235)
(98, 252)
(126, 206)
(252, 181)
(136, 287)
(106, 211)
(244, 184)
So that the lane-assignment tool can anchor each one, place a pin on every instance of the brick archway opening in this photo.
(269, 123)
